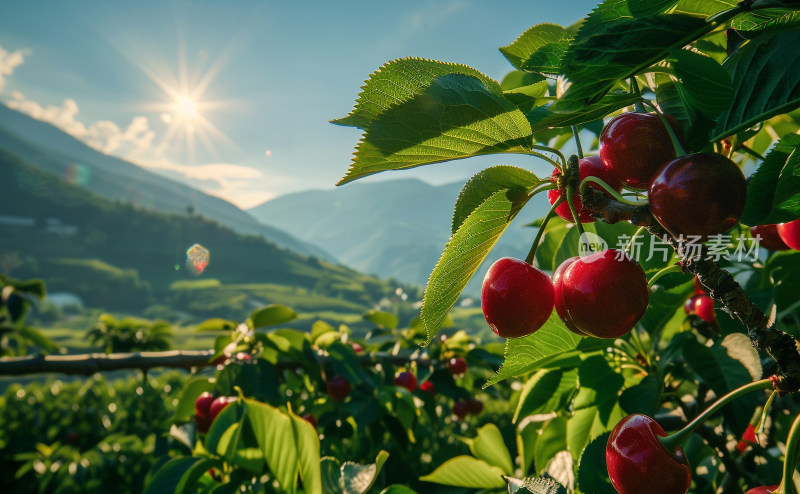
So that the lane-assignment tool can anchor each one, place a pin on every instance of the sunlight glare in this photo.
(186, 107)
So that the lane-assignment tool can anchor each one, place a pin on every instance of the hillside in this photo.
(47, 147)
(118, 256)
(395, 228)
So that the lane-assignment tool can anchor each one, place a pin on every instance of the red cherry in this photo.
(763, 489)
(558, 285)
(699, 194)
(218, 405)
(457, 366)
(460, 409)
(407, 380)
(202, 404)
(428, 387)
(338, 388)
(790, 233)
(203, 423)
(474, 406)
(603, 294)
(638, 463)
(517, 299)
(635, 145)
(770, 239)
(748, 437)
(591, 166)
(704, 308)
(698, 287)
(310, 419)
(688, 306)
(356, 347)
(243, 356)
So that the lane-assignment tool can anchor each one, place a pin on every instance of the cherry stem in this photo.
(751, 152)
(548, 159)
(540, 233)
(577, 142)
(673, 440)
(633, 237)
(570, 195)
(679, 151)
(638, 106)
(792, 457)
(669, 269)
(613, 193)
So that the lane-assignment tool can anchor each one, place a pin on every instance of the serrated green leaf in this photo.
(758, 20)
(466, 471)
(455, 117)
(766, 81)
(169, 475)
(465, 252)
(274, 433)
(528, 353)
(358, 478)
(546, 391)
(703, 83)
(488, 445)
(601, 53)
(773, 193)
(272, 315)
(564, 113)
(592, 469)
(535, 485)
(381, 318)
(539, 49)
(485, 183)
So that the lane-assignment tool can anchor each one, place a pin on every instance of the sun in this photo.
(185, 108)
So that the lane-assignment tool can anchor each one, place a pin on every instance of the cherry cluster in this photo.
(700, 304)
(207, 407)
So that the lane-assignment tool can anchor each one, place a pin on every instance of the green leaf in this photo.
(358, 478)
(601, 53)
(485, 183)
(565, 113)
(466, 471)
(546, 391)
(552, 440)
(380, 318)
(643, 397)
(784, 275)
(308, 451)
(230, 416)
(773, 193)
(527, 438)
(331, 475)
(345, 362)
(169, 475)
(763, 83)
(398, 489)
(216, 324)
(193, 474)
(592, 469)
(465, 252)
(539, 49)
(703, 83)
(456, 116)
(489, 446)
(758, 20)
(38, 338)
(530, 352)
(535, 485)
(272, 315)
(275, 435)
(194, 388)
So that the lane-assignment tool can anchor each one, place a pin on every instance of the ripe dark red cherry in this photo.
(591, 166)
(790, 233)
(698, 287)
(202, 404)
(762, 490)
(517, 299)
(218, 405)
(638, 463)
(704, 308)
(699, 194)
(688, 306)
(407, 380)
(460, 409)
(749, 436)
(770, 239)
(474, 406)
(457, 366)
(603, 294)
(635, 145)
(310, 419)
(338, 388)
(558, 284)
(428, 387)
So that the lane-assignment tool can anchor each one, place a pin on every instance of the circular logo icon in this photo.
(590, 243)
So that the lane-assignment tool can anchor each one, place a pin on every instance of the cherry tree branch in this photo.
(719, 282)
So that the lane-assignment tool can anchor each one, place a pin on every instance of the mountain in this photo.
(47, 147)
(117, 256)
(395, 228)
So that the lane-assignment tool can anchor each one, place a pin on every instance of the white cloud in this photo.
(8, 62)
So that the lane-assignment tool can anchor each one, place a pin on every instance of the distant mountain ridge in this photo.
(395, 228)
(49, 148)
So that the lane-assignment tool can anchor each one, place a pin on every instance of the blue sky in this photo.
(234, 97)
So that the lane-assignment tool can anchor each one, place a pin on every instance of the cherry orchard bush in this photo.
(679, 99)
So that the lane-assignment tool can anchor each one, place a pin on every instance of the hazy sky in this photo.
(234, 96)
